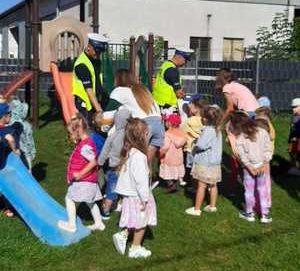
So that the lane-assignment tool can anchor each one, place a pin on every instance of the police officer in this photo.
(87, 78)
(167, 87)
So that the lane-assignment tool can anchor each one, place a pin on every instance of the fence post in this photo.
(257, 71)
(28, 51)
(166, 47)
(96, 16)
(150, 59)
(36, 66)
(196, 69)
(132, 55)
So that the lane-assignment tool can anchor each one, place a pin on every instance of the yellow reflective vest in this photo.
(163, 93)
(77, 86)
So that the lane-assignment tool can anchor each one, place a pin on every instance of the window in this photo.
(202, 46)
(233, 49)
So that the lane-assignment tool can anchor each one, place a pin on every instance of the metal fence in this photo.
(277, 79)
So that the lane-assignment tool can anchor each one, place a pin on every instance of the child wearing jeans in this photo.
(9, 135)
(254, 149)
(171, 163)
(112, 151)
(138, 207)
(82, 176)
(207, 161)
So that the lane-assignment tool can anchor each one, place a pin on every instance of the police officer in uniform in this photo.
(88, 91)
(167, 88)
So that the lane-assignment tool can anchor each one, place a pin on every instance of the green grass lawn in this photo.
(218, 241)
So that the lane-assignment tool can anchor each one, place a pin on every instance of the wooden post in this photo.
(96, 16)
(82, 11)
(35, 67)
(132, 56)
(150, 59)
(28, 50)
(166, 47)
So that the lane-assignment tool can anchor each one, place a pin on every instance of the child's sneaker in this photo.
(182, 182)
(66, 226)
(247, 216)
(120, 240)
(192, 211)
(139, 252)
(105, 215)
(210, 209)
(266, 219)
(97, 227)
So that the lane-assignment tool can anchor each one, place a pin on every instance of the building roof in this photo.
(12, 9)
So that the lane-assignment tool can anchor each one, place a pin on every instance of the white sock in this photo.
(134, 247)
(71, 210)
(96, 214)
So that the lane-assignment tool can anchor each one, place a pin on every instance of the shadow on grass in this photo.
(232, 190)
(54, 110)
(39, 171)
(290, 183)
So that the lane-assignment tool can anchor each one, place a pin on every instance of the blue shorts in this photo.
(112, 178)
(156, 131)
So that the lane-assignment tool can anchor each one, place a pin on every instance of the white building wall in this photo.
(177, 20)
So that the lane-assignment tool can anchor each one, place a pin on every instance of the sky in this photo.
(6, 4)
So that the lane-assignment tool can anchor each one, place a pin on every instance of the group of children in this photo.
(192, 152)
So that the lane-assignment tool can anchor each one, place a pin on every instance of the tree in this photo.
(276, 42)
(158, 47)
(296, 38)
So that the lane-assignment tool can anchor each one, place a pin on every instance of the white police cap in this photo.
(95, 37)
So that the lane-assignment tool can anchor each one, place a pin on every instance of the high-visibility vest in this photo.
(77, 86)
(163, 93)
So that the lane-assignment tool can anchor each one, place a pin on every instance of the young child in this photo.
(96, 134)
(207, 160)
(192, 127)
(171, 153)
(27, 146)
(254, 149)
(138, 207)
(112, 151)
(9, 136)
(263, 120)
(294, 138)
(82, 176)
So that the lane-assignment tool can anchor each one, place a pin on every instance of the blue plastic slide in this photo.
(40, 211)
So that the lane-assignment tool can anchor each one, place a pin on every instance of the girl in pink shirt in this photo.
(82, 176)
(237, 96)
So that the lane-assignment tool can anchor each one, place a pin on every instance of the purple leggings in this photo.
(253, 184)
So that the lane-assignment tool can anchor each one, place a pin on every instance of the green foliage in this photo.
(158, 46)
(275, 42)
(296, 38)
